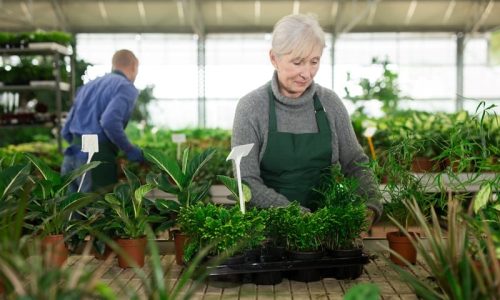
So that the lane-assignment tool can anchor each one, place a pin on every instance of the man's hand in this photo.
(135, 155)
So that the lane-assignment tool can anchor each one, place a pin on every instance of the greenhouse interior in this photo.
(151, 149)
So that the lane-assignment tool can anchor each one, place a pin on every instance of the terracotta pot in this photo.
(423, 165)
(135, 250)
(401, 244)
(180, 241)
(54, 250)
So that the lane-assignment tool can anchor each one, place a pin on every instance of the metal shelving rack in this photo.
(57, 51)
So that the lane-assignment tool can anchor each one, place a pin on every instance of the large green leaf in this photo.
(73, 175)
(75, 201)
(482, 197)
(170, 166)
(232, 186)
(43, 189)
(12, 179)
(139, 196)
(197, 163)
(133, 180)
(165, 185)
(164, 205)
(47, 173)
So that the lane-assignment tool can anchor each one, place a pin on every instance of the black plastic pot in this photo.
(305, 275)
(269, 254)
(229, 280)
(352, 271)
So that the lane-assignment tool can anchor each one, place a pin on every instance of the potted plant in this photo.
(178, 179)
(449, 257)
(402, 186)
(303, 235)
(228, 231)
(50, 207)
(129, 219)
(15, 189)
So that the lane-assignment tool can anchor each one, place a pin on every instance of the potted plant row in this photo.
(284, 237)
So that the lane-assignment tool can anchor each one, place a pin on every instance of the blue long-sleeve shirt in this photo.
(103, 107)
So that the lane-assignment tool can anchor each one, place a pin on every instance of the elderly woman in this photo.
(299, 127)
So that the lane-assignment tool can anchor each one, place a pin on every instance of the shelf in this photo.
(38, 48)
(39, 85)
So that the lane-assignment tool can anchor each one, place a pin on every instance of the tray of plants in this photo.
(323, 264)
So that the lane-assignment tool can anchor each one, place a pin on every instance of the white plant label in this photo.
(179, 138)
(237, 153)
(90, 145)
(369, 132)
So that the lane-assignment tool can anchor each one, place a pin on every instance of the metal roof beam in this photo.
(411, 11)
(483, 16)
(142, 12)
(61, 18)
(193, 9)
(449, 11)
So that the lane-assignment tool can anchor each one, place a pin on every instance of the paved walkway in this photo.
(376, 271)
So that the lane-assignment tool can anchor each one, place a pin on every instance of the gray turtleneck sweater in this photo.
(296, 115)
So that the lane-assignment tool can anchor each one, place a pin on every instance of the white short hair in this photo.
(297, 35)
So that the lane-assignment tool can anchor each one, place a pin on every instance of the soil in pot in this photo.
(401, 244)
(54, 250)
(344, 272)
(306, 275)
(134, 249)
(180, 241)
(229, 280)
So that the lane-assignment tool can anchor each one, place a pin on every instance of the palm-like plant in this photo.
(50, 207)
(449, 257)
(179, 178)
(129, 210)
(15, 189)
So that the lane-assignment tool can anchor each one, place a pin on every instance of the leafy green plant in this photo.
(232, 186)
(15, 189)
(130, 212)
(225, 229)
(363, 291)
(449, 256)
(343, 209)
(403, 186)
(303, 231)
(385, 88)
(50, 207)
(178, 179)
(26, 276)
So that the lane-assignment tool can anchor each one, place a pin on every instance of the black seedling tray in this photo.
(287, 265)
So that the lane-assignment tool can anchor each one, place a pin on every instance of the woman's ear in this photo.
(274, 59)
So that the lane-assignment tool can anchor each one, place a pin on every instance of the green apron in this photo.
(105, 176)
(294, 164)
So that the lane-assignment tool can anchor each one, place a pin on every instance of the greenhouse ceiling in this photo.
(225, 16)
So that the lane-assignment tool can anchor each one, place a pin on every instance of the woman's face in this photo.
(295, 74)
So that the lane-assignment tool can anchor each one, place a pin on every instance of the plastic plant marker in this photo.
(237, 153)
(90, 145)
(179, 138)
(369, 133)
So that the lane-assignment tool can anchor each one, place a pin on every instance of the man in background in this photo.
(103, 107)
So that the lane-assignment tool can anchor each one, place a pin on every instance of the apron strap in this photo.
(318, 108)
